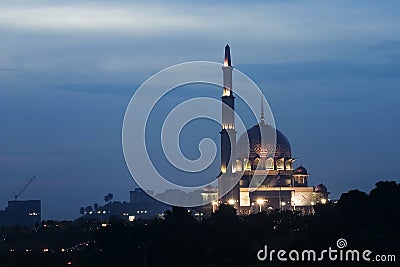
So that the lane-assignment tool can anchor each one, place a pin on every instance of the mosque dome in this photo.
(300, 170)
(263, 146)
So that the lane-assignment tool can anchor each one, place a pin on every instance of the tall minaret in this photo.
(228, 133)
(228, 117)
(262, 117)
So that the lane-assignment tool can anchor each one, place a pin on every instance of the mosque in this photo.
(257, 157)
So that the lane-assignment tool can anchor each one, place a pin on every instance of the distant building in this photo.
(141, 206)
(144, 205)
(23, 213)
(138, 195)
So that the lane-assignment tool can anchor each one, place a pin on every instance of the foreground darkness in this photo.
(366, 221)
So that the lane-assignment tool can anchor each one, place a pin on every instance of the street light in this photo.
(260, 202)
(323, 200)
(214, 206)
(231, 202)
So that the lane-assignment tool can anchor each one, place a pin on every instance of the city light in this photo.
(214, 205)
(231, 202)
(323, 200)
(260, 202)
(223, 169)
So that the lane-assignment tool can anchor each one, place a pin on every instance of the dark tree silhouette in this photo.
(82, 211)
(108, 198)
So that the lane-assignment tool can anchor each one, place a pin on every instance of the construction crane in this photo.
(23, 189)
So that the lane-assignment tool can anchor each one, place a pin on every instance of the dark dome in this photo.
(321, 188)
(300, 170)
(265, 146)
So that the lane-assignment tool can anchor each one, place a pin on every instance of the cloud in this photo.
(322, 70)
(93, 18)
(91, 37)
(260, 20)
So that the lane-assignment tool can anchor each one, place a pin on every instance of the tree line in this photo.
(366, 221)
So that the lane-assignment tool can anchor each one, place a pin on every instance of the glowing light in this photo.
(283, 203)
(45, 250)
(226, 92)
(260, 201)
(323, 200)
(103, 225)
(225, 63)
(231, 202)
(312, 203)
(223, 169)
(214, 205)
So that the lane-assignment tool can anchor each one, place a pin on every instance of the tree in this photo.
(82, 211)
(108, 198)
(353, 204)
(89, 209)
(96, 206)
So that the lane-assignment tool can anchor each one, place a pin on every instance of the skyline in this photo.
(65, 84)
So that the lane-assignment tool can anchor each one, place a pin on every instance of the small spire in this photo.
(262, 117)
(227, 60)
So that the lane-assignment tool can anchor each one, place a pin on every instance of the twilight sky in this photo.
(330, 71)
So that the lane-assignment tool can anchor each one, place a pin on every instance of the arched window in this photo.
(288, 164)
(280, 164)
(269, 164)
(257, 164)
(239, 165)
(247, 165)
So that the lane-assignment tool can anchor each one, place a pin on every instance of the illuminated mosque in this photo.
(259, 157)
